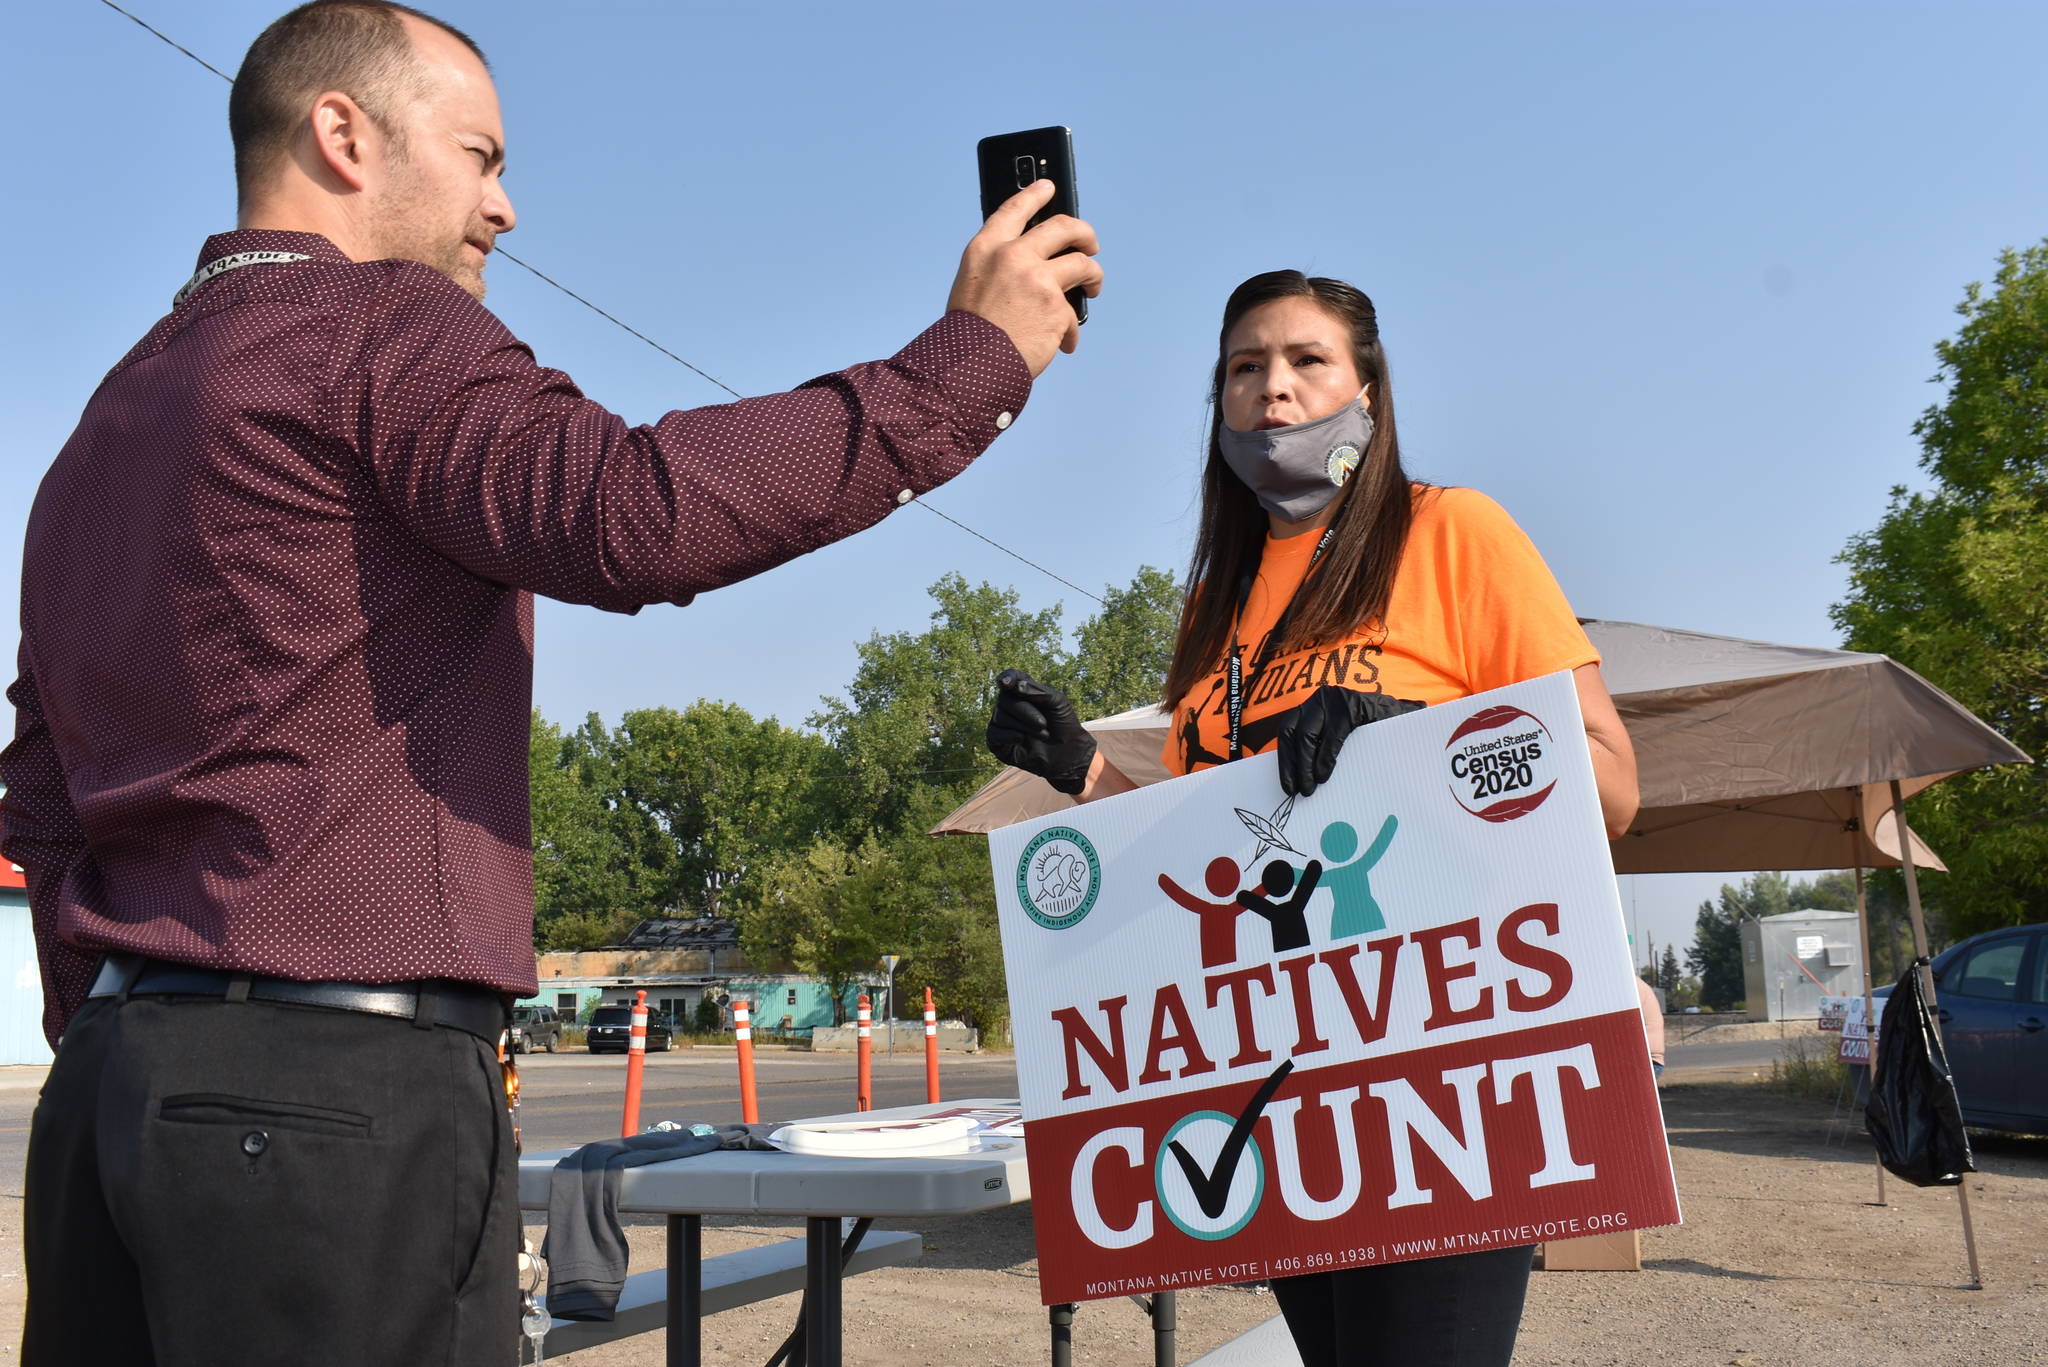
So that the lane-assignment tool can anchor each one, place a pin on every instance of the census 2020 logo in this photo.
(1501, 763)
(1058, 877)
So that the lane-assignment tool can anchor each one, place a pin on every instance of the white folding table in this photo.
(822, 1191)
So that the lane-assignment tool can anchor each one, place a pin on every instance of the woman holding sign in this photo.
(1331, 591)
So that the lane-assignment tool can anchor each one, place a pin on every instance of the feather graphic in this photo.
(1272, 830)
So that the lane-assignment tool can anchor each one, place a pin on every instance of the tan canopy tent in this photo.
(1751, 755)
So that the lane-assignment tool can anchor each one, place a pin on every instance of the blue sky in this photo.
(1663, 279)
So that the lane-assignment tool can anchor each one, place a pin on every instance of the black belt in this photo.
(437, 1001)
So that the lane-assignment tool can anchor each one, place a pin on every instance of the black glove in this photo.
(1034, 728)
(1314, 732)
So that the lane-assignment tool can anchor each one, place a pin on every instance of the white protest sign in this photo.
(1394, 1019)
(1846, 1015)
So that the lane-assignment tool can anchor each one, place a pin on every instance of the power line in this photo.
(1012, 554)
(548, 279)
(635, 331)
(160, 34)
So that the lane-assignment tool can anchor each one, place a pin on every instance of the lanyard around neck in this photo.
(1233, 665)
(220, 266)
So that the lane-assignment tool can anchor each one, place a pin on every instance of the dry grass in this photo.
(1807, 1067)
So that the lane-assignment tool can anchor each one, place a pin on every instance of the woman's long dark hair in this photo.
(1354, 579)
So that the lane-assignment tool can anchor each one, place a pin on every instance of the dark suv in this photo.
(611, 1030)
(535, 1027)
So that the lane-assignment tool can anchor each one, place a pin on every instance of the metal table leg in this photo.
(821, 1291)
(1061, 1317)
(685, 1291)
(1165, 1326)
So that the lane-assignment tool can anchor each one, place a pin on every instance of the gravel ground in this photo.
(1783, 1262)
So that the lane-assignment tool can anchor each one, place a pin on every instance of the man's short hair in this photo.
(359, 47)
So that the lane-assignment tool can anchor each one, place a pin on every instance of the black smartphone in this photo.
(1011, 161)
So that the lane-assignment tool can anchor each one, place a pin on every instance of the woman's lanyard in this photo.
(1233, 667)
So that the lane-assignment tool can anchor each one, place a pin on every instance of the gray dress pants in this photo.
(227, 1183)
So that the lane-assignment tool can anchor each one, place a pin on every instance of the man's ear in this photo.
(344, 140)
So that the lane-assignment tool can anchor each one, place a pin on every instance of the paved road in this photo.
(1758, 1052)
(572, 1098)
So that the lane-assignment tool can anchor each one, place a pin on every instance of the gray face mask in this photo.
(1297, 470)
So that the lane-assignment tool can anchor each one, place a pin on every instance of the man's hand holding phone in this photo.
(1018, 278)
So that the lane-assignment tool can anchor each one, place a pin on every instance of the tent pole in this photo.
(1905, 835)
(1869, 1001)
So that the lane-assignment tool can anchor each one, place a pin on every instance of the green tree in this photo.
(1667, 972)
(1122, 651)
(707, 794)
(912, 720)
(1832, 891)
(914, 715)
(584, 882)
(1716, 952)
(951, 942)
(815, 910)
(834, 911)
(708, 1017)
(1953, 582)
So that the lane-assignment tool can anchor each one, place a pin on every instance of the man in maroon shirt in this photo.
(269, 776)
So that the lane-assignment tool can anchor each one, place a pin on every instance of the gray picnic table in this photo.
(823, 1191)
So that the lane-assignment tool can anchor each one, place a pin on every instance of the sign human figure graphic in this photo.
(1219, 919)
(1350, 880)
(1288, 919)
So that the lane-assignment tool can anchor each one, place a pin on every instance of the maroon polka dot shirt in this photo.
(276, 631)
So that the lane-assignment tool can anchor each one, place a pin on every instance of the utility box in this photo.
(1790, 962)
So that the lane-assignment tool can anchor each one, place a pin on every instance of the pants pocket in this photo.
(204, 1108)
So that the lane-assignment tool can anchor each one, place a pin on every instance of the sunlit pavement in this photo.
(573, 1097)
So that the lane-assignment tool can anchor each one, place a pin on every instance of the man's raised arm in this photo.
(505, 467)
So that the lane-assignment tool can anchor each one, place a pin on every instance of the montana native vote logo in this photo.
(1058, 877)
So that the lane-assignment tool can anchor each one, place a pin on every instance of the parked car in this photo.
(535, 1027)
(611, 1030)
(1991, 997)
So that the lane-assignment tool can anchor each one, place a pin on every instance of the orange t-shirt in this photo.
(1474, 607)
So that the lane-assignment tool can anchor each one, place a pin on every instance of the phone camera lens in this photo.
(1027, 171)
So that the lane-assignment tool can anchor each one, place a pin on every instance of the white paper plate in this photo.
(879, 1138)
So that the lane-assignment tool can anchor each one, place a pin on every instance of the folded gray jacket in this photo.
(585, 1248)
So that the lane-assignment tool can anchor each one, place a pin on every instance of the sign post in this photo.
(1260, 1036)
(889, 962)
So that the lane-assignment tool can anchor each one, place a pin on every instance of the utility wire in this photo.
(548, 279)
(1012, 554)
(160, 33)
(606, 316)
